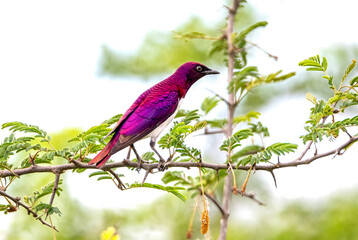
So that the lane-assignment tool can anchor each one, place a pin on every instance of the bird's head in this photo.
(193, 71)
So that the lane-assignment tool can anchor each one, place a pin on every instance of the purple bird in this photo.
(152, 112)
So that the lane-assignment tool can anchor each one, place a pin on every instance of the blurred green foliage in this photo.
(333, 219)
(161, 52)
(168, 218)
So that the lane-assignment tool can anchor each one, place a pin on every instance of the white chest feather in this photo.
(155, 133)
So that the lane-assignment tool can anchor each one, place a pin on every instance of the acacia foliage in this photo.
(245, 147)
(242, 148)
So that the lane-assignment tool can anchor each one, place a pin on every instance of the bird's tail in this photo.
(101, 158)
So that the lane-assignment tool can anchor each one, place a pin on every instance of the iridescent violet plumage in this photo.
(152, 111)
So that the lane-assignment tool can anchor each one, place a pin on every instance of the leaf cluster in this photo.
(253, 153)
(179, 178)
(174, 140)
(264, 155)
(344, 95)
(38, 206)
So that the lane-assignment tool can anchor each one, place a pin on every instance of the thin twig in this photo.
(52, 228)
(214, 200)
(120, 184)
(252, 197)
(55, 187)
(219, 96)
(29, 211)
(274, 178)
(268, 54)
(207, 132)
(145, 176)
(308, 146)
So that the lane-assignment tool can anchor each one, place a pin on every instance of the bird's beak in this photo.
(210, 71)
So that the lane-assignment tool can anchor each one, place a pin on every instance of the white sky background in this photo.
(49, 55)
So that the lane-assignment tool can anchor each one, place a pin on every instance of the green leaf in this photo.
(13, 145)
(246, 31)
(98, 173)
(192, 35)
(231, 143)
(324, 63)
(188, 153)
(113, 119)
(176, 176)
(172, 190)
(349, 69)
(353, 81)
(266, 79)
(49, 209)
(178, 195)
(281, 148)
(208, 104)
(259, 129)
(54, 210)
(266, 154)
(248, 150)
(247, 117)
(46, 190)
(190, 116)
(314, 64)
(310, 63)
(180, 113)
(5, 207)
(217, 46)
(241, 77)
(104, 177)
(23, 127)
(198, 126)
(311, 98)
(148, 156)
(217, 123)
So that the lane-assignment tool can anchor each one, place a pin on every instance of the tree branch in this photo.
(214, 166)
(230, 117)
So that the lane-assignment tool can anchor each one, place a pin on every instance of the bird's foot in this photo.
(162, 165)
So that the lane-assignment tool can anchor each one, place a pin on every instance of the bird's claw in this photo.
(162, 166)
(140, 164)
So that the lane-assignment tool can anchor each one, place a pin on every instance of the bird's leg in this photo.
(139, 159)
(161, 166)
(129, 153)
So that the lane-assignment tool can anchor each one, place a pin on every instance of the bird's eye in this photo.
(199, 68)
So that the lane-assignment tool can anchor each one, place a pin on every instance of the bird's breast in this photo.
(155, 133)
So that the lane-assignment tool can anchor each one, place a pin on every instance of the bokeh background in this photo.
(69, 65)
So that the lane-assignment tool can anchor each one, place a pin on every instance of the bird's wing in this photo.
(153, 111)
(132, 108)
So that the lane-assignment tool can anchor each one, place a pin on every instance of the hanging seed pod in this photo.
(204, 222)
